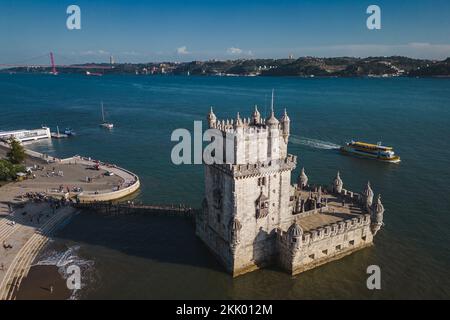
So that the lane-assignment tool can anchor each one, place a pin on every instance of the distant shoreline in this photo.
(237, 76)
(394, 66)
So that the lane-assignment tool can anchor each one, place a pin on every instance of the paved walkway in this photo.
(26, 237)
(74, 176)
(334, 212)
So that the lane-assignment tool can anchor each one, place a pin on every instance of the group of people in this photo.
(36, 196)
(54, 173)
(7, 246)
(63, 188)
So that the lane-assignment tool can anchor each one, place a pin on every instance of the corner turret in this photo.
(256, 117)
(212, 119)
(272, 122)
(338, 184)
(377, 216)
(295, 233)
(234, 229)
(367, 196)
(238, 121)
(285, 124)
(302, 180)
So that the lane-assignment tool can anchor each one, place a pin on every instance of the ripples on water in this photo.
(313, 143)
(63, 259)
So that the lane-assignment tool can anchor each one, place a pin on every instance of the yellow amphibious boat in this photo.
(373, 151)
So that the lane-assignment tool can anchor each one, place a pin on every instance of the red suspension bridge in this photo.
(53, 66)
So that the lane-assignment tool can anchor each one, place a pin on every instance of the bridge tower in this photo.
(52, 62)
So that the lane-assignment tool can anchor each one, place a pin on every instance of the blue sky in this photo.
(141, 31)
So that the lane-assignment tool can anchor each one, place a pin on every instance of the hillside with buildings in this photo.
(303, 67)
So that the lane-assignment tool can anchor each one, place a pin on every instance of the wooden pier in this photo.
(129, 207)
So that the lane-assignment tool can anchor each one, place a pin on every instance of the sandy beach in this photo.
(39, 283)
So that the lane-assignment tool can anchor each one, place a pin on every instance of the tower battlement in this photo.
(255, 139)
(258, 169)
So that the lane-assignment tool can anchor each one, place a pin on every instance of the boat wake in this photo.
(314, 143)
(62, 260)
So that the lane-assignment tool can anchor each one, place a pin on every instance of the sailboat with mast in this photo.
(105, 124)
(58, 135)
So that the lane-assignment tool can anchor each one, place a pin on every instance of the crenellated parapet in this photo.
(327, 242)
(256, 124)
(258, 169)
(253, 139)
(334, 229)
(244, 125)
(325, 231)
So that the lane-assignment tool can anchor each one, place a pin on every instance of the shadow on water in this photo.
(156, 257)
(165, 239)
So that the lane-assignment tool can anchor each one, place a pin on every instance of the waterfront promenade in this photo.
(76, 177)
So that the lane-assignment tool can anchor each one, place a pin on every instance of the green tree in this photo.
(5, 170)
(8, 170)
(16, 154)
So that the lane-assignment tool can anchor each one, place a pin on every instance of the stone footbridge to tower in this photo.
(129, 207)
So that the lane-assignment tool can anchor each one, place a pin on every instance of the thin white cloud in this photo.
(234, 50)
(182, 50)
(131, 53)
(94, 53)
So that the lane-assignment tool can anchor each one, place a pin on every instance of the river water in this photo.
(147, 257)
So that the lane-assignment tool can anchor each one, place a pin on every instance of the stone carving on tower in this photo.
(235, 229)
(377, 215)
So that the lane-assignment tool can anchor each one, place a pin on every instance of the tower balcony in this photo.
(258, 168)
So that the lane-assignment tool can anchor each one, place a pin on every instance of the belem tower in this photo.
(252, 216)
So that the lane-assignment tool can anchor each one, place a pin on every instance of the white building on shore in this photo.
(24, 135)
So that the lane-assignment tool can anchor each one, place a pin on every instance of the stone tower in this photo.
(246, 200)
